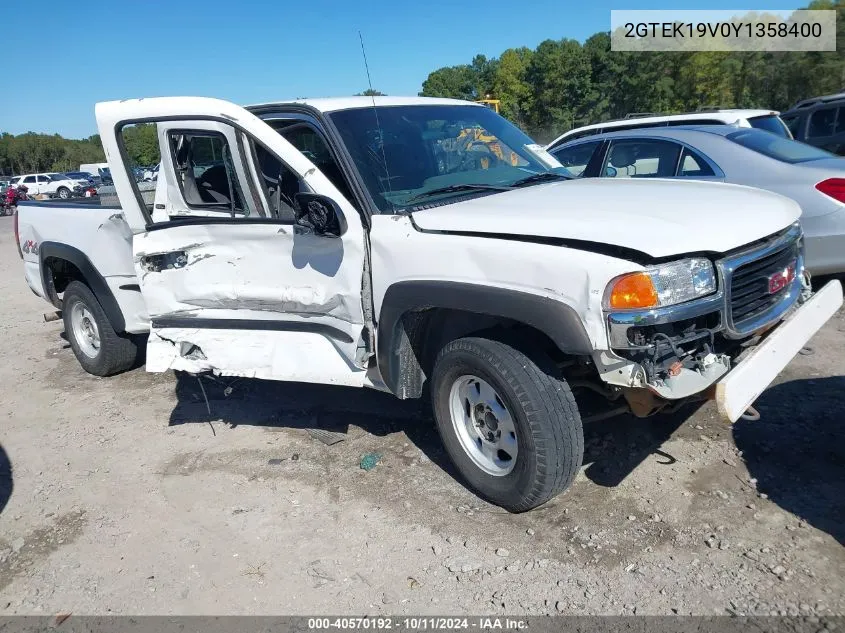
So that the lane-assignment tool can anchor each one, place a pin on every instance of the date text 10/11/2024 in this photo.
(409, 623)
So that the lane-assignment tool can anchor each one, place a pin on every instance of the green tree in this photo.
(33, 152)
(141, 142)
(559, 73)
(511, 85)
(456, 82)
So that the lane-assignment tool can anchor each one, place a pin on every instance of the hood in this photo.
(660, 218)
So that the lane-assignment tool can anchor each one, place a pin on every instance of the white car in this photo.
(768, 120)
(80, 180)
(51, 184)
(150, 173)
(380, 242)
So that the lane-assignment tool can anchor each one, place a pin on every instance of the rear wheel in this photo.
(97, 347)
(510, 425)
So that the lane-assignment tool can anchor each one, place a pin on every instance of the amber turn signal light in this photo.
(633, 291)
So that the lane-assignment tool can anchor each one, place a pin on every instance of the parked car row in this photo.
(55, 185)
(761, 119)
(756, 156)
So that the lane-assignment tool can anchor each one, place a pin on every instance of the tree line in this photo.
(31, 152)
(563, 84)
(35, 153)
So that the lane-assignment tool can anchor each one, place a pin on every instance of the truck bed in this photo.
(81, 232)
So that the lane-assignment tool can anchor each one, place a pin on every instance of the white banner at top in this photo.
(740, 30)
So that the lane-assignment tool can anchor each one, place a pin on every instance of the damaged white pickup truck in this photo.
(413, 245)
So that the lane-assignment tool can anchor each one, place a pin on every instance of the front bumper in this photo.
(684, 350)
(755, 372)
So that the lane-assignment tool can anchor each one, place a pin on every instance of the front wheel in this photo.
(63, 193)
(510, 426)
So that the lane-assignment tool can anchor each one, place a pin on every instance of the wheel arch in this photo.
(61, 263)
(418, 317)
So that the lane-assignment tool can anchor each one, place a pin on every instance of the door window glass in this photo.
(840, 121)
(576, 158)
(278, 183)
(205, 172)
(641, 158)
(822, 123)
(308, 141)
(693, 165)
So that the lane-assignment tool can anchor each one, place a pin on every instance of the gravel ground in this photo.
(124, 496)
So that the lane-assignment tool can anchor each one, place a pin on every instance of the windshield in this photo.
(407, 152)
(771, 123)
(779, 148)
(57, 177)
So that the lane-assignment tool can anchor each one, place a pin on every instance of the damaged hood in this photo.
(660, 218)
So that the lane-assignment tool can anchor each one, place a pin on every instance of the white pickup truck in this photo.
(412, 245)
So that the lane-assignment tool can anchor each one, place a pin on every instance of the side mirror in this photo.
(610, 172)
(319, 214)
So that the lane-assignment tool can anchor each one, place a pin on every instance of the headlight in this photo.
(663, 285)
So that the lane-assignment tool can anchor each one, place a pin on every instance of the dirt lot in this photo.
(123, 496)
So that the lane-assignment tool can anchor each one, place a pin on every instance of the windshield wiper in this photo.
(456, 188)
(540, 177)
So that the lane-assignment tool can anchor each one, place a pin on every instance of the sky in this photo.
(66, 56)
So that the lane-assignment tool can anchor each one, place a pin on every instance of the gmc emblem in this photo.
(781, 279)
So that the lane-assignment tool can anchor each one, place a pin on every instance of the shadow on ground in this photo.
(6, 482)
(272, 404)
(796, 451)
(613, 448)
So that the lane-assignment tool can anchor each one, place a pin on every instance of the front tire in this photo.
(63, 193)
(97, 347)
(509, 424)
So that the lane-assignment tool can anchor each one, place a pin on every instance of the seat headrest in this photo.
(622, 156)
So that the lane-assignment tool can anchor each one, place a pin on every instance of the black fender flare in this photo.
(92, 277)
(555, 319)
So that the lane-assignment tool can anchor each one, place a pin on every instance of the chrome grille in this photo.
(750, 295)
(750, 305)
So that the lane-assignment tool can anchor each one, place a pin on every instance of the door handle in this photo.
(163, 261)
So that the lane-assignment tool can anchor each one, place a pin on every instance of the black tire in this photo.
(117, 352)
(63, 193)
(544, 412)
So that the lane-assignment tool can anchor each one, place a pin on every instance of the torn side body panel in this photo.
(250, 267)
(269, 288)
(271, 355)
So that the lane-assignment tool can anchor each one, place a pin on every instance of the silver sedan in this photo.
(812, 177)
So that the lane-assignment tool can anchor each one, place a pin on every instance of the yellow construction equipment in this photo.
(493, 104)
(469, 137)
